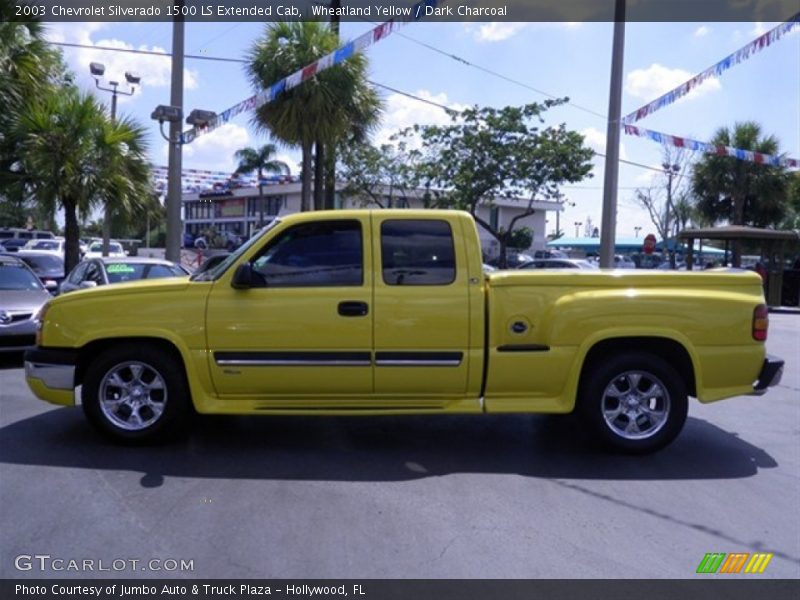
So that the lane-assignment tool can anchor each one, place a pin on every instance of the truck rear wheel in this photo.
(136, 395)
(634, 403)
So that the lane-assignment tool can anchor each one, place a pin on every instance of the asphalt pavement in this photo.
(400, 497)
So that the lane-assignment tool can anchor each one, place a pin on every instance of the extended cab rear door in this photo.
(304, 329)
(422, 308)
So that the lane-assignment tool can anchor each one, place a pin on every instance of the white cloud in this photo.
(702, 31)
(650, 83)
(154, 70)
(214, 151)
(596, 140)
(402, 111)
(497, 31)
(759, 29)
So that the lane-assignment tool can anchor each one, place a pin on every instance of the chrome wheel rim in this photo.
(133, 395)
(636, 405)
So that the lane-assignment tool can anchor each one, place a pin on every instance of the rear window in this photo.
(417, 252)
(45, 245)
(43, 262)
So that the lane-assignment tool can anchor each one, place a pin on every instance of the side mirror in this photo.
(243, 277)
(85, 285)
(50, 285)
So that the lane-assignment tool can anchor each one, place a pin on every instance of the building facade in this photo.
(242, 211)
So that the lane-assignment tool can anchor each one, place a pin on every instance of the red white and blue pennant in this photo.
(336, 57)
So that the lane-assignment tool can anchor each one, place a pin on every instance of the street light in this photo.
(173, 115)
(98, 70)
(637, 229)
(577, 227)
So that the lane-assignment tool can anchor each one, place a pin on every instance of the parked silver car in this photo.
(21, 296)
(559, 263)
(102, 271)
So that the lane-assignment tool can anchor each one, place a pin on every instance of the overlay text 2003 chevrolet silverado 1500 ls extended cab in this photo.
(389, 312)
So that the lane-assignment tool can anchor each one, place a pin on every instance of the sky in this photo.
(559, 59)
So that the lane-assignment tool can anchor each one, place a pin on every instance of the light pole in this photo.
(637, 229)
(671, 171)
(578, 227)
(173, 115)
(97, 70)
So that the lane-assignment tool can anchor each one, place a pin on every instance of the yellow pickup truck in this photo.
(389, 312)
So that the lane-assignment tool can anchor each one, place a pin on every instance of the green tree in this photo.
(378, 176)
(29, 67)
(261, 161)
(488, 153)
(323, 109)
(73, 156)
(741, 192)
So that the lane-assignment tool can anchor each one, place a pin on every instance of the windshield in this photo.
(44, 245)
(127, 271)
(98, 247)
(18, 278)
(214, 273)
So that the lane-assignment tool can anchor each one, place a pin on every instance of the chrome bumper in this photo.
(55, 369)
(771, 373)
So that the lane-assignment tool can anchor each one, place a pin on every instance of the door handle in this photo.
(352, 308)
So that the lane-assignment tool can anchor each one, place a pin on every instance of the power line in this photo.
(241, 60)
(450, 110)
(148, 52)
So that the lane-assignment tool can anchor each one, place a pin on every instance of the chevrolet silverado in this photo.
(389, 312)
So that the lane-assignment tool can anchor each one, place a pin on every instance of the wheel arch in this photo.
(673, 351)
(95, 348)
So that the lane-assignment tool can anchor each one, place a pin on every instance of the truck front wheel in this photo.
(634, 403)
(136, 395)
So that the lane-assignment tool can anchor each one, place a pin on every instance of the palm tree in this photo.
(737, 191)
(322, 109)
(260, 160)
(72, 156)
(28, 67)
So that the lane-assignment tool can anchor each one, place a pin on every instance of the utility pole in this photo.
(330, 157)
(609, 221)
(174, 222)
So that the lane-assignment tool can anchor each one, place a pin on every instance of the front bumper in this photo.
(770, 375)
(50, 374)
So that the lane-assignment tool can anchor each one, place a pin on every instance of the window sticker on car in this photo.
(120, 268)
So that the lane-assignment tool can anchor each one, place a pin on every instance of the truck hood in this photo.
(624, 278)
(143, 286)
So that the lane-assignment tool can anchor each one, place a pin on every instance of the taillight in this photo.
(760, 322)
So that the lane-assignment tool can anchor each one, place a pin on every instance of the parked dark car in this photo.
(103, 271)
(12, 244)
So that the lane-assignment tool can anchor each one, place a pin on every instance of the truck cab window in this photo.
(417, 252)
(320, 254)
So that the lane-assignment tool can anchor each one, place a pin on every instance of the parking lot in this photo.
(416, 497)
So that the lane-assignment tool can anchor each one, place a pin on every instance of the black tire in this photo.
(158, 397)
(649, 415)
